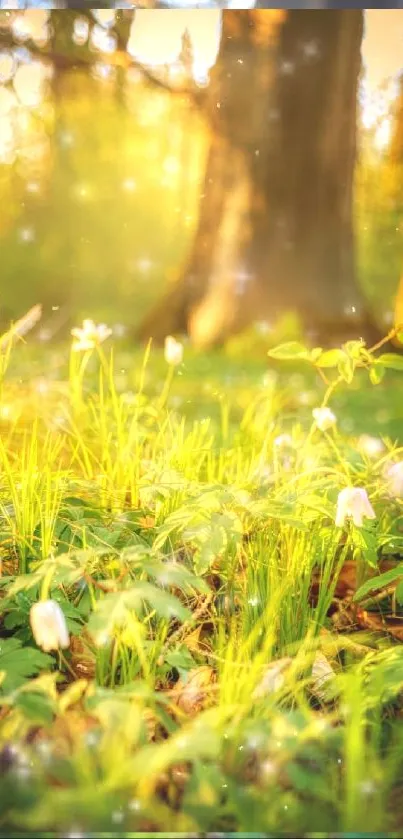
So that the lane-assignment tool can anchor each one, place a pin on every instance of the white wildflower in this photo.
(324, 418)
(353, 502)
(173, 351)
(49, 626)
(90, 335)
(371, 445)
(394, 477)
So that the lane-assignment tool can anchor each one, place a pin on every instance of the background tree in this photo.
(276, 214)
(275, 228)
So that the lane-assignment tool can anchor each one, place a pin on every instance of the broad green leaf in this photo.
(113, 610)
(355, 349)
(36, 706)
(379, 582)
(399, 593)
(202, 794)
(181, 659)
(290, 350)
(330, 358)
(316, 353)
(391, 360)
(19, 663)
(175, 574)
(314, 502)
(376, 373)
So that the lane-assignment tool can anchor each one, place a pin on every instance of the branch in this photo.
(120, 58)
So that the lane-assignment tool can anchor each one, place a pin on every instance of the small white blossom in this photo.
(283, 440)
(394, 477)
(173, 351)
(49, 626)
(324, 418)
(89, 335)
(371, 445)
(353, 502)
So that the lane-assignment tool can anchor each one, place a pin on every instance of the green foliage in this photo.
(18, 663)
(188, 558)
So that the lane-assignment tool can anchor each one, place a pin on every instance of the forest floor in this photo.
(234, 664)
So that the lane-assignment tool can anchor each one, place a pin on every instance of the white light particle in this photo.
(310, 49)
(27, 234)
(44, 334)
(66, 138)
(129, 185)
(253, 601)
(42, 386)
(144, 264)
(367, 787)
(117, 817)
(33, 187)
(287, 68)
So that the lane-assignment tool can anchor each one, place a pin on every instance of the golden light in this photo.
(157, 40)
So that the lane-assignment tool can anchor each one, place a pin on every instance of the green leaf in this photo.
(391, 360)
(399, 593)
(181, 659)
(330, 358)
(355, 349)
(346, 368)
(202, 795)
(36, 706)
(316, 353)
(376, 373)
(365, 539)
(379, 582)
(19, 663)
(113, 610)
(318, 504)
(175, 574)
(290, 350)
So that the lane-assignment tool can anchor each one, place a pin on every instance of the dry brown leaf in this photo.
(322, 675)
(380, 623)
(83, 660)
(194, 694)
(273, 677)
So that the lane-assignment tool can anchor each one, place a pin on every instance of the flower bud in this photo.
(49, 626)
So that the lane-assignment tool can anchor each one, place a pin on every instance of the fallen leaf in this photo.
(194, 693)
(322, 675)
(273, 678)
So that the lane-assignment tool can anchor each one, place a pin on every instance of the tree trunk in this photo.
(275, 227)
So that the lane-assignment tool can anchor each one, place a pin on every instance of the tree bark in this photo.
(275, 227)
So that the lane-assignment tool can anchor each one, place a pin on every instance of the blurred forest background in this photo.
(103, 154)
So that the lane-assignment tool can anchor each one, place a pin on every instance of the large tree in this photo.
(275, 229)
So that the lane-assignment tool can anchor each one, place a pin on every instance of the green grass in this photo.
(208, 685)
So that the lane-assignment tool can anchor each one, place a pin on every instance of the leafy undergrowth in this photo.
(234, 658)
